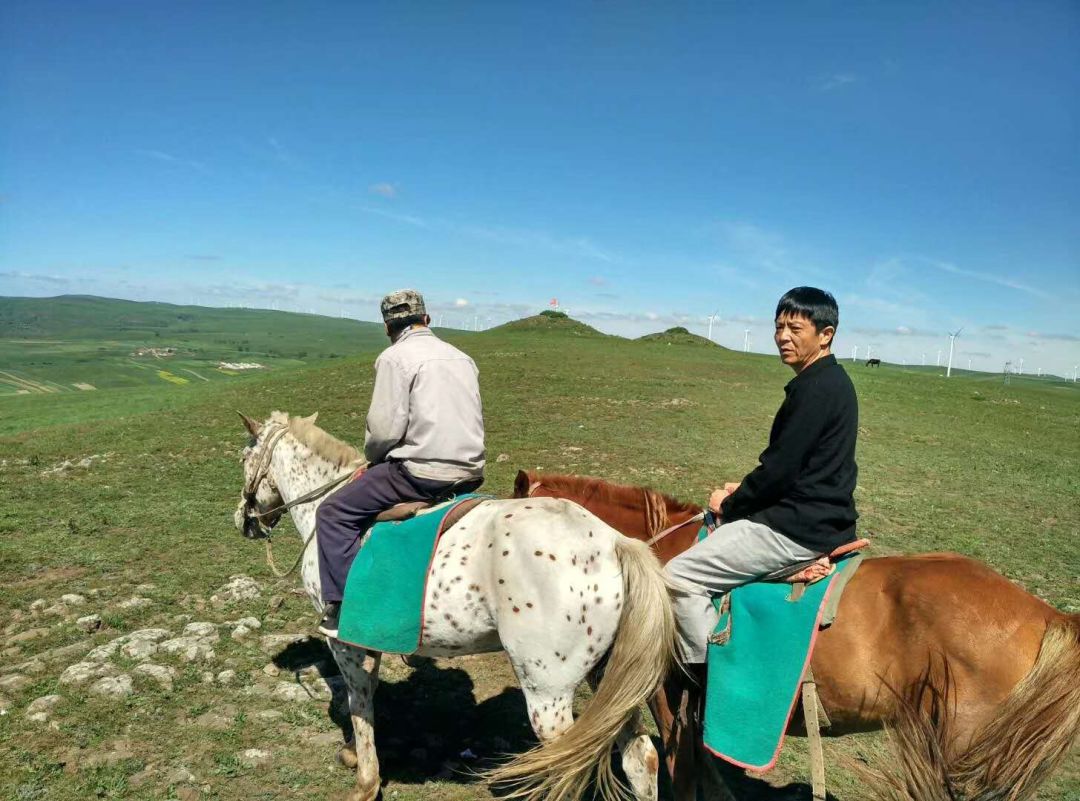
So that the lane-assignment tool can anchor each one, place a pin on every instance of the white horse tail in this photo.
(562, 769)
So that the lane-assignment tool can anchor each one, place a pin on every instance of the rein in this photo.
(676, 527)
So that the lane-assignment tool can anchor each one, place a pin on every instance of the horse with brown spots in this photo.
(980, 678)
(481, 600)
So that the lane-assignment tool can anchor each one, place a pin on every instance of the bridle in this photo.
(259, 521)
(249, 501)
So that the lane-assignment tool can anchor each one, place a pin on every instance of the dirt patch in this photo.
(49, 575)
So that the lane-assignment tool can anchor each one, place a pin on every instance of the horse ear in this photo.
(521, 484)
(252, 426)
(312, 418)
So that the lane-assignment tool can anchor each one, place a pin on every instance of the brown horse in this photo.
(934, 636)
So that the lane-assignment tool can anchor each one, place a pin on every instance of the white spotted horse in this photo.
(559, 590)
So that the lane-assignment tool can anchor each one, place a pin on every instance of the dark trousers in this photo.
(343, 517)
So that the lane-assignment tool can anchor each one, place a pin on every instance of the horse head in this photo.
(259, 508)
(528, 486)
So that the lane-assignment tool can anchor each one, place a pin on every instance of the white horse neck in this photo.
(297, 470)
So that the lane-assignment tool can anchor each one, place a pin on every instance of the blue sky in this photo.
(646, 165)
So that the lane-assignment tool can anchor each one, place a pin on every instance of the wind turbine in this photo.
(1021, 367)
(714, 316)
(854, 353)
(952, 341)
(746, 341)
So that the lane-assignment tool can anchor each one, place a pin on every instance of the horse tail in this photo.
(1012, 754)
(562, 769)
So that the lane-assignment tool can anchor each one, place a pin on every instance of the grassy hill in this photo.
(678, 336)
(550, 321)
(968, 465)
(80, 343)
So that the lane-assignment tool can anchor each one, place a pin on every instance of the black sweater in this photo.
(804, 484)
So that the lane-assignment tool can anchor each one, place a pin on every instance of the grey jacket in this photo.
(425, 409)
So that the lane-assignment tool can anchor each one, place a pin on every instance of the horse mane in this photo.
(656, 506)
(329, 447)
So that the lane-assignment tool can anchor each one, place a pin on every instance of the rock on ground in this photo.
(253, 757)
(72, 599)
(189, 649)
(27, 636)
(40, 708)
(113, 686)
(134, 603)
(273, 643)
(14, 683)
(202, 629)
(90, 623)
(82, 672)
(239, 588)
(162, 674)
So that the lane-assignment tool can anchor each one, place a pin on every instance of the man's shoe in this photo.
(329, 623)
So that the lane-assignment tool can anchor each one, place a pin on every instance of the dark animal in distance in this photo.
(873, 362)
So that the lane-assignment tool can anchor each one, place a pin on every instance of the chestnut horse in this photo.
(933, 636)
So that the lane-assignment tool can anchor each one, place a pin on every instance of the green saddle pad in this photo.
(383, 608)
(754, 678)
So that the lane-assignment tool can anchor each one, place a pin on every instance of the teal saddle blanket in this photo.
(757, 657)
(383, 607)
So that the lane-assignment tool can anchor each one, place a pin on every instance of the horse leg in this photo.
(360, 670)
(673, 709)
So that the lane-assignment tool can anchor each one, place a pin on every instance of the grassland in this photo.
(78, 344)
(966, 464)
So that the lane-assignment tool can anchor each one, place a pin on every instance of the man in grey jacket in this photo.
(424, 440)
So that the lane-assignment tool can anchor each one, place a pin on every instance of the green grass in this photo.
(78, 344)
(966, 464)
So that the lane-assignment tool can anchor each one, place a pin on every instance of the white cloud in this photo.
(461, 303)
(838, 80)
(168, 158)
(989, 278)
(383, 189)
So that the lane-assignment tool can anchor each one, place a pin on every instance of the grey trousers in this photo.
(735, 553)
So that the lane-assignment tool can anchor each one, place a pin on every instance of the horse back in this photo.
(905, 621)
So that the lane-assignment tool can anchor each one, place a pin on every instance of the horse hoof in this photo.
(346, 757)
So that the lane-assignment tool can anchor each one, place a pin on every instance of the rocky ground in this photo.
(124, 693)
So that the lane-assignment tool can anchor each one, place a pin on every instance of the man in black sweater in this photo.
(797, 503)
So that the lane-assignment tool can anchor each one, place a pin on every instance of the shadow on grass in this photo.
(429, 726)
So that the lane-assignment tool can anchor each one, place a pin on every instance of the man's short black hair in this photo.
(395, 327)
(807, 301)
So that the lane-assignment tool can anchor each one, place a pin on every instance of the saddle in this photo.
(814, 569)
(405, 511)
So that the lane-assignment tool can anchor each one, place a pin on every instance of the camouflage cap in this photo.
(401, 304)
